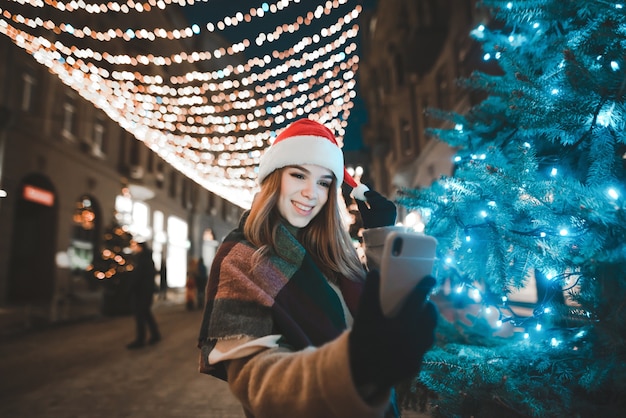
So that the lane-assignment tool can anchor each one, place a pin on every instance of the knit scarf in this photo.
(285, 295)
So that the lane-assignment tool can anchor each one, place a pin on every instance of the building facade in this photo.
(413, 53)
(67, 174)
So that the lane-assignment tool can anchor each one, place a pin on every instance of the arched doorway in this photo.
(31, 271)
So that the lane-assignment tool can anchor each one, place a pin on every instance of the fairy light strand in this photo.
(212, 126)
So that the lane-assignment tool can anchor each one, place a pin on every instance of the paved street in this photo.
(84, 370)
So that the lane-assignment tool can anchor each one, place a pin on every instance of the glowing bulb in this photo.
(613, 194)
(563, 232)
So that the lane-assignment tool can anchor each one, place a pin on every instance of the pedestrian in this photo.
(281, 323)
(142, 294)
(163, 279)
(191, 288)
(202, 277)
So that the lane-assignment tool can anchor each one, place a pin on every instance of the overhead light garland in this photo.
(212, 125)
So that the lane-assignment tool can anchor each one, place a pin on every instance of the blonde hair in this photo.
(325, 238)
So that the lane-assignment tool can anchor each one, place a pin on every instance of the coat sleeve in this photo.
(311, 383)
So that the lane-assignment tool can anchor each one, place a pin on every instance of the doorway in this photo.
(32, 267)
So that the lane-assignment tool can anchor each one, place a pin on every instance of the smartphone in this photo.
(407, 258)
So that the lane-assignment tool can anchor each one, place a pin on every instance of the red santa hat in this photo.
(306, 141)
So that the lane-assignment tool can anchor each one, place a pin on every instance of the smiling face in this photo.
(303, 192)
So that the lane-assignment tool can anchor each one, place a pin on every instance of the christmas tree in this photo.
(537, 196)
(111, 268)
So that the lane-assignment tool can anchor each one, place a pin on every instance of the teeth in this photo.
(302, 207)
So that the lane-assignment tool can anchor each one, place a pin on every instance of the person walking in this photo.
(191, 287)
(142, 295)
(202, 277)
(292, 320)
(163, 279)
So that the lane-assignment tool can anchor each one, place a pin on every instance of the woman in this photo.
(284, 289)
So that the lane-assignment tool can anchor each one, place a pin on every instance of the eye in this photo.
(297, 175)
(325, 183)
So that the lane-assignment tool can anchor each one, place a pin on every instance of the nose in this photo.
(308, 190)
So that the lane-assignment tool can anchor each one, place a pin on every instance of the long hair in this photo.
(325, 237)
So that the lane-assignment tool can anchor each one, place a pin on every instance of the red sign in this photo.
(37, 195)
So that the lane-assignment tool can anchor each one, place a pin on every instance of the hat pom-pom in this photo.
(359, 192)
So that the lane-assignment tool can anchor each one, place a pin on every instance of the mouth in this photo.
(302, 209)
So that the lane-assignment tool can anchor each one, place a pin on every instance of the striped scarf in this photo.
(275, 296)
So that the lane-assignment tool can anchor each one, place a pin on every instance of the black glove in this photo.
(380, 212)
(385, 351)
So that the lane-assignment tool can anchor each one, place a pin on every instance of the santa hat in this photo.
(306, 141)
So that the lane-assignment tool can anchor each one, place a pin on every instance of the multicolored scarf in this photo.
(275, 296)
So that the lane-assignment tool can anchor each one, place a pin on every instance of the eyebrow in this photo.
(299, 167)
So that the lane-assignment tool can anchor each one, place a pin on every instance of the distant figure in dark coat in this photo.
(142, 294)
(163, 280)
(201, 279)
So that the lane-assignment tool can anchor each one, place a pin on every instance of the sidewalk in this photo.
(85, 369)
(20, 319)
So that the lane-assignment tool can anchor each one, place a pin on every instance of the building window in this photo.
(140, 226)
(406, 142)
(443, 91)
(211, 204)
(399, 64)
(172, 185)
(135, 169)
(425, 14)
(69, 119)
(27, 92)
(97, 144)
(84, 235)
(151, 161)
(186, 194)
(160, 175)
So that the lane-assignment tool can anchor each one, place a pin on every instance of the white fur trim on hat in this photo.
(299, 150)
